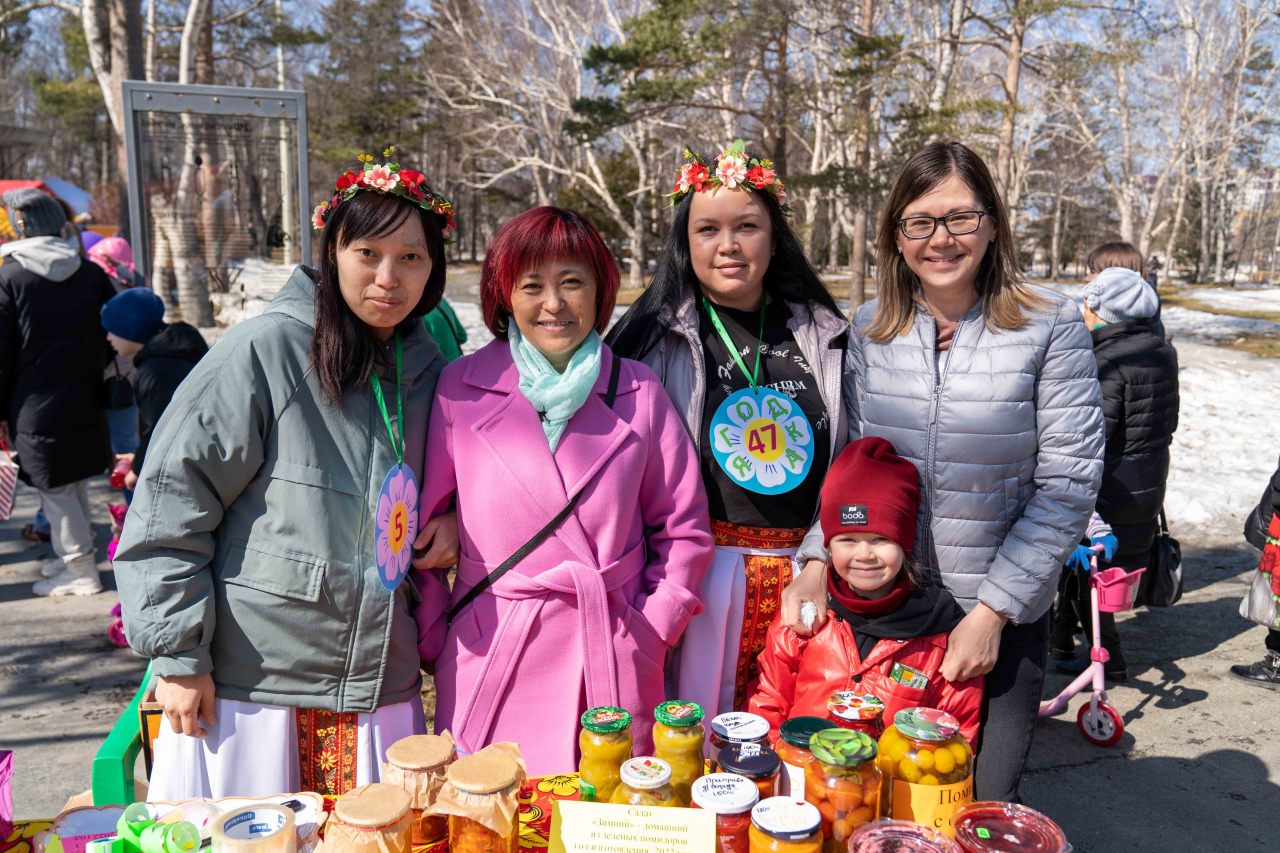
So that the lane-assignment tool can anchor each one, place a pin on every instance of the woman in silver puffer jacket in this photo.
(990, 387)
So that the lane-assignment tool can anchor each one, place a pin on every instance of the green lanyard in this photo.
(728, 341)
(396, 444)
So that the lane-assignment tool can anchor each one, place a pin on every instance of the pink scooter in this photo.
(1110, 591)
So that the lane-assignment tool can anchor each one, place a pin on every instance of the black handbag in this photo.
(117, 391)
(1255, 525)
(1161, 584)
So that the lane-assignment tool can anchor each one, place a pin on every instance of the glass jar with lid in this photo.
(928, 767)
(860, 712)
(371, 819)
(678, 739)
(645, 781)
(754, 762)
(900, 836)
(783, 825)
(736, 728)
(792, 747)
(605, 742)
(418, 764)
(486, 789)
(991, 827)
(731, 798)
(843, 782)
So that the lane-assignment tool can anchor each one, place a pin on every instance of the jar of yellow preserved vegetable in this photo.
(488, 784)
(605, 742)
(782, 825)
(645, 781)
(843, 782)
(678, 738)
(928, 767)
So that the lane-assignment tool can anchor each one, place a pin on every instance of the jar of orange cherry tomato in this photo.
(754, 762)
(843, 782)
(928, 767)
(731, 799)
(605, 742)
(782, 825)
(859, 712)
(678, 739)
(792, 747)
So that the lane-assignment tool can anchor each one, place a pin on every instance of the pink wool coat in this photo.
(587, 618)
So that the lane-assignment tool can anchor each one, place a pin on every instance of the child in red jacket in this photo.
(889, 628)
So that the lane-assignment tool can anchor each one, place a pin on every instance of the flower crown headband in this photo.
(390, 179)
(733, 169)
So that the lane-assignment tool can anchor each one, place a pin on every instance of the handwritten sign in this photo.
(606, 828)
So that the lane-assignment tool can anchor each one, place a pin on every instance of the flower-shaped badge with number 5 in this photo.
(396, 525)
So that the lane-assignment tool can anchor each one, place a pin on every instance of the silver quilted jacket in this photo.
(1006, 429)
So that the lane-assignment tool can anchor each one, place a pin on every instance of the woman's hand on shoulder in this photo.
(437, 544)
(807, 588)
(974, 645)
(187, 701)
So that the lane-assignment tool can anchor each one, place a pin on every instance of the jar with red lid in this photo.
(753, 762)
(991, 827)
(792, 747)
(731, 798)
(860, 712)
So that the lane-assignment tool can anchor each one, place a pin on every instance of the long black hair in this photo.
(789, 276)
(344, 350)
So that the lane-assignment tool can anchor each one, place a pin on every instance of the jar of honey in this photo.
(731, 798)
(371, 819)
(782, 825)
(605, 742)
(792, 747)
(843, 782)
(758, 764)
(646, 781)
(860, 712)
(487, 784)
(417, 764)
(678, 738)
(928, 767)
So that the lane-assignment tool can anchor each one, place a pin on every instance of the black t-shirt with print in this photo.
(784, 369)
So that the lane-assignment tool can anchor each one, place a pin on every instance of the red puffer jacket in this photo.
(798, 675)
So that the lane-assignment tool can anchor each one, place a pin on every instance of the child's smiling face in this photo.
(868, 562)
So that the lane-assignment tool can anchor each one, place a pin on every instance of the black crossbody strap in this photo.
(547, 529)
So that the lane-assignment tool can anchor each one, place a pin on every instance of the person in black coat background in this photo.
(1266, 672)
(163, 355)
(52, 355)
(1138, 372)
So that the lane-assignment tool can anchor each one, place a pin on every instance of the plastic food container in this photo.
(900, 836)
(861, 712)
(678, 738)
(759, 764)
(928, 767)
(605, 742)
(371, 819)
(792, 747)
(843, 782)
(783, 825)
(735, 729)
(646, 781)
(990, 827)
(482, 779)
(418, 764)
(731, 798)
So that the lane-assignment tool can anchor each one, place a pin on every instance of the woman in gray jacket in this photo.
(261, 562)
(990, 387)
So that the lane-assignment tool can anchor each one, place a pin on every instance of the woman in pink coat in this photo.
(518, 428)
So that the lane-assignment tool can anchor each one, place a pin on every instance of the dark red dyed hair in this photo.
(530, 240)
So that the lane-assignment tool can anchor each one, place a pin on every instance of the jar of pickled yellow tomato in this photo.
(678, 737)
(605, 742)
(645, 781)
(792, 747)
(843, 782)
(783, 825)
(859, 712)
(928, 767)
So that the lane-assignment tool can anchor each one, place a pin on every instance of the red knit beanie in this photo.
(871, 489)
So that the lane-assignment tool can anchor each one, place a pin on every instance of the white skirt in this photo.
(252, 751)
(705, 667)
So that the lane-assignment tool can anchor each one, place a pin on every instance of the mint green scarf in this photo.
(555, 396)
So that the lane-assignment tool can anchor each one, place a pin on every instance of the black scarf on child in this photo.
(925, 610)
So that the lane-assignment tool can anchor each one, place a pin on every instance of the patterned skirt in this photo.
(741, 593)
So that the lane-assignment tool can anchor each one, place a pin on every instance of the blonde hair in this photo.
(1006, 298)
(1116, 254)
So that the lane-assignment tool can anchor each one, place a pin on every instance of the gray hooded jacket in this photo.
(248, 550)
(1006, 429)
(48, 257)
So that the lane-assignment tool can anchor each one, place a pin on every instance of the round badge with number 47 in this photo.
(395, 525)
(762, 440)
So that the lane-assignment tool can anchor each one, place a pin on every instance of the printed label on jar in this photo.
(931, 805)
(791, 781)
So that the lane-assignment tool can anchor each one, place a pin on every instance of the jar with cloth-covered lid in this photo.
(481, 797)
(370, 819)
(417, 764)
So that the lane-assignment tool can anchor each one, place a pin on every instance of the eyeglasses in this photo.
(957, 224)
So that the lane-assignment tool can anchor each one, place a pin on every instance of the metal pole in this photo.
(287, 205)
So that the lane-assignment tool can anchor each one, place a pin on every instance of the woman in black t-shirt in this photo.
(750, 346)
